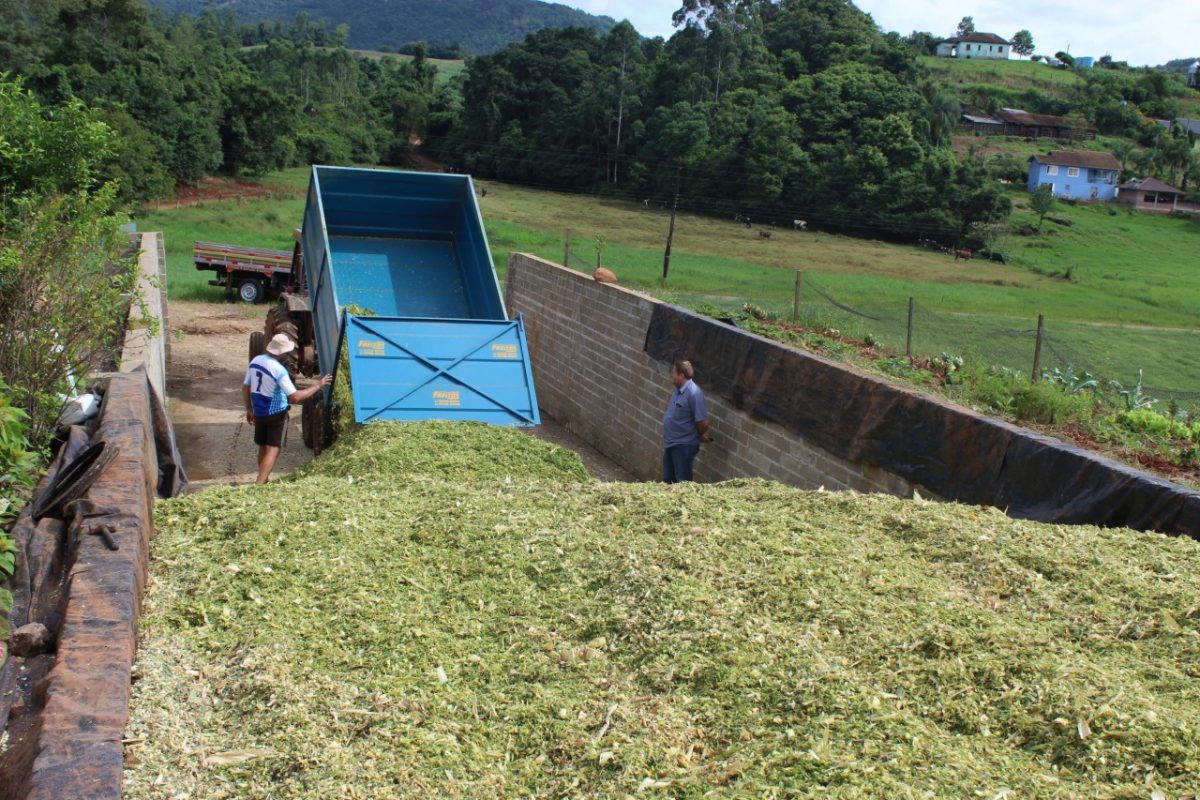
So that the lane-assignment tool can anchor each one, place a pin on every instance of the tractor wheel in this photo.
(315, 422)
(288, 328)
(257, 347)
(306, 422)
(272, 322)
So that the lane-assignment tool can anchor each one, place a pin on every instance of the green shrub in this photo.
(18, 473)
(1048, 404)
(1009, 392)
(1148, 421)
(19, 464)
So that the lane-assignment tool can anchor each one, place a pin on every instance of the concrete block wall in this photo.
(587, 343)
(146, 334)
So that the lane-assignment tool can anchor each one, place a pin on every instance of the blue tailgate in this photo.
(406, 368)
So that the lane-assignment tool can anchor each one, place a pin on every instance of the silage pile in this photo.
(476, 628)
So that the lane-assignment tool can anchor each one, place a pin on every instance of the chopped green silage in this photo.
(484, 635)
(458, 451)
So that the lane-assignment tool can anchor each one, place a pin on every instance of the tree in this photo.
(923, 42)
(62, 294)
(944, 113)
(1042, 203)
(1066, 58)
(1122, 149)
(966, 26)
(257, 128)
(1022, 43)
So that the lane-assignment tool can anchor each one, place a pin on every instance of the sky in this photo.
(1140, 33)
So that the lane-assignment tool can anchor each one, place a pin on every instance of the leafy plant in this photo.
(1010, 392)
(951, 366)
(1070, 381)
(1148, 421)
(18, 471)
(1133, 397)
(19, 464)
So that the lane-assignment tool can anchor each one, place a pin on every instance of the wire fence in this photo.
(1109, 352)
(1106, 352)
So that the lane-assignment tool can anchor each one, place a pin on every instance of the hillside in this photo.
(964, 76)
(478, 26)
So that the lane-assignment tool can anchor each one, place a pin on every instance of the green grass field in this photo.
(1011, 74)
(446, 68)
(1130, 302)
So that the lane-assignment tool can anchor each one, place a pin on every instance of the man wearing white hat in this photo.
(268, 392)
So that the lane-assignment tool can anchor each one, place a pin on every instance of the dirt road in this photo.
(209, 349)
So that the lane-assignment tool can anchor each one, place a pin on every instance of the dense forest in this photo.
(449, 28)
(770, 109)
(187, 99)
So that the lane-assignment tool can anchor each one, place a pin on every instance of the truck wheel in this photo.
(256, 345)
(251, 290)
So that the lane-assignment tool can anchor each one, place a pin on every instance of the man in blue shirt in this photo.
(267, 392)
(685, 424)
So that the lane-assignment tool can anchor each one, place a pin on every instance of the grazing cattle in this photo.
(646, 203)
(764, 234)
(963, 253)
(799, 225)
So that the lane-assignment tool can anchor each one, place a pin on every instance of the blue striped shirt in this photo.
(269, 384)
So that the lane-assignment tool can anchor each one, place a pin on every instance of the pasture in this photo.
(1117, 289)
(1011, 74)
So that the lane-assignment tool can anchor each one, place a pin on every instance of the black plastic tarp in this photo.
(952, 451)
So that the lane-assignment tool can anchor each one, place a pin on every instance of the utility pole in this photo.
(671, 230)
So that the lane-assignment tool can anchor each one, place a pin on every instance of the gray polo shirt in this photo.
(684, 410)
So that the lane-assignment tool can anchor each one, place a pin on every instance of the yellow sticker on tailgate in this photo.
(370, 347)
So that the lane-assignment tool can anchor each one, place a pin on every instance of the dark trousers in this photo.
(677, 462)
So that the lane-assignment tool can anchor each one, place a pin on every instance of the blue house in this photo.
(1077, 175)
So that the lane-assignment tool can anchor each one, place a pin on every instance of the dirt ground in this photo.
(209, 348)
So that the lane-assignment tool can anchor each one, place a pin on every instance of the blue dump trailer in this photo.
(397, 276)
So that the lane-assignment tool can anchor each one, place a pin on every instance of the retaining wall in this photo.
(146, 332)
(64, 702)
(588, 343)
(601, 357)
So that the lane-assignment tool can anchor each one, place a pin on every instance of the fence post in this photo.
(796, 301)
(567, 247)
(908, 338)
(1037, 349)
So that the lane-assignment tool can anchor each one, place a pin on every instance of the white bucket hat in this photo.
(280, 344)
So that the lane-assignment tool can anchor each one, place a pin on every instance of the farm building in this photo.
(975, 45)
(1148, 194)
(1076, 175)
(1018, 122)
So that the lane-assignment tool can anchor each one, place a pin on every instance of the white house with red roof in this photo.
(975, 45)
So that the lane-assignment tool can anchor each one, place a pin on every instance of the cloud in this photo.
(1140, 34)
